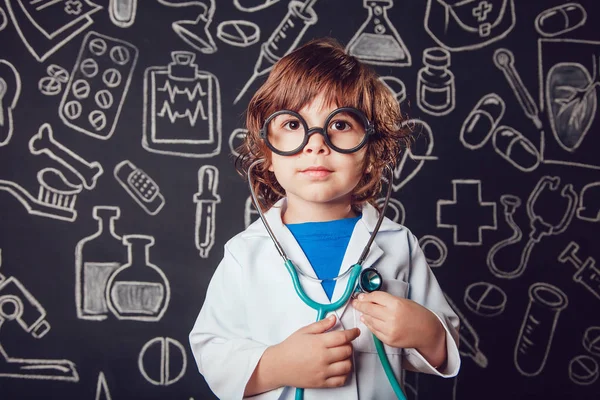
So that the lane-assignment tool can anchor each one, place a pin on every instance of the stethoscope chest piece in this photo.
(369, 281)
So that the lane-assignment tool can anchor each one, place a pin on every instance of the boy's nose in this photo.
(316, 144)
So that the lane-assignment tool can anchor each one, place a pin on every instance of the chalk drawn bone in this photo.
(43, 142)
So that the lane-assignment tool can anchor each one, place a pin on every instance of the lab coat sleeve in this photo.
(220, 342)
(425, 290)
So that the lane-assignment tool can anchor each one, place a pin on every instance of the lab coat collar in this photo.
(360, 236)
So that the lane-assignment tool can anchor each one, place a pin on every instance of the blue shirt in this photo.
(324, 244)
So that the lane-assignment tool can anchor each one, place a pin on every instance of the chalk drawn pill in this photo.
(561, 19)
(439, 253)
(111, 78)
(396, 86)
(97, 119)
(97, 46)
(238, 33)
(583, 370)
(120, 55)
(485, 299)
(515, 148)
(49, 86)
(81, 89)
(104, 99)
(89, 67)
(58, 72)
(72, 109)
(591, 340)
(162, 361)
(482, 121)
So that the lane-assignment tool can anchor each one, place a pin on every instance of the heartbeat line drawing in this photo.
(166, 111)
(173, 91)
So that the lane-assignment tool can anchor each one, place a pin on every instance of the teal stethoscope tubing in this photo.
(355, 270)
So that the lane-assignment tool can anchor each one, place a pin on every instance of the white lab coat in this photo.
(251, 304)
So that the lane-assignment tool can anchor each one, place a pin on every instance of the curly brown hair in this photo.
(322, 66)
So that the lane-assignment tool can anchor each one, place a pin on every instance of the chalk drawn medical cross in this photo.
(466, 213)
(482, 10)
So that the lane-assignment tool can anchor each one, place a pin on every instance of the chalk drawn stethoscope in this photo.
(360, 280)
(539, 227)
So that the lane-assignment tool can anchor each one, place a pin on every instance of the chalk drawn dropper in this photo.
(505, 61)
(283, 40)
(469, 339)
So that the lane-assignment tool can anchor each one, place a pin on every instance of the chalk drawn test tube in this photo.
(535, 337)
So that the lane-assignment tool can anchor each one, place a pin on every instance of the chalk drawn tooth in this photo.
(10, 90)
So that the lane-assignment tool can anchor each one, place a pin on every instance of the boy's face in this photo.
(318, 176)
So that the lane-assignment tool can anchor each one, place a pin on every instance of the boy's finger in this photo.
(373, 309)
(338, 338)
(320, 326)
(378, 297)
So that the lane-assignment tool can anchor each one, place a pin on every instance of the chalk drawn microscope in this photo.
(18, 304)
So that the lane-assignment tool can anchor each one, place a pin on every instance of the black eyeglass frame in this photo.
(368, 125)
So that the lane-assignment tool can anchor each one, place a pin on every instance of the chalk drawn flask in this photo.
(97, 257)
(138, 290)
(537, 330)
(377, 41)
(435, 83)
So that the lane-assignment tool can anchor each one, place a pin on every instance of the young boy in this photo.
(325, 128)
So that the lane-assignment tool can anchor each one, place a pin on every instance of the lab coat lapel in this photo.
(358, 240)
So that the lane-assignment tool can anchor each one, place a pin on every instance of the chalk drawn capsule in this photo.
(558, 20)
(537, 330)
(482, 121)
(515, 148)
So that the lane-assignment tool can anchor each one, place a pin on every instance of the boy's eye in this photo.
(340, 125)
(293, 124)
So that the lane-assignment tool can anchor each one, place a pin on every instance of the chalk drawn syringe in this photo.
(283, 40)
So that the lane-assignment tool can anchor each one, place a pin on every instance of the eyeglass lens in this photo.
(345, 129)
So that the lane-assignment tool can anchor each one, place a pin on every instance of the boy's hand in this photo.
(404, 323)
(315, 358)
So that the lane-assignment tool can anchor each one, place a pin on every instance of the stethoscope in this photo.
(359, 281)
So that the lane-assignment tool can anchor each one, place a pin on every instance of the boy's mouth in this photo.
(316, 171)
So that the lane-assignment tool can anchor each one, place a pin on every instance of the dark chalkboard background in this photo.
(535, 328)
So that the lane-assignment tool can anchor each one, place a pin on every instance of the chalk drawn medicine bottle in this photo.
(138, 290)
(435, 83)
(97, 257)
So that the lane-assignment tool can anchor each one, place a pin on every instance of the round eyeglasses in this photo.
(346, 130)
